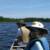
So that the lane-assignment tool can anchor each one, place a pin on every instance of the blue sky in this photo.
(25, 8)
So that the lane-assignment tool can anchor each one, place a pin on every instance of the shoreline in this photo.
(2, 19)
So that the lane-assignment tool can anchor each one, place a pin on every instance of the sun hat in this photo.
(38, 25)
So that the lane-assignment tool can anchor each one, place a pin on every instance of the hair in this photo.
(37, 34)
(42, 32)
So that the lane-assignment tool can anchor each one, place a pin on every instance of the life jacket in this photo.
(31, 44)
(45, 42)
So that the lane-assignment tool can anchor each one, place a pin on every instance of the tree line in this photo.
(2, 19)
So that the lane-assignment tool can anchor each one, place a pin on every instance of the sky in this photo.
(25, 8)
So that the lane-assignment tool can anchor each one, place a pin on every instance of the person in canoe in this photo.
(23, 37)
(38, 40)
(34, 36)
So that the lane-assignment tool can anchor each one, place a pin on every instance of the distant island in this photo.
(2, 19)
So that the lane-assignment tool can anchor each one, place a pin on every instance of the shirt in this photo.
(38, 46)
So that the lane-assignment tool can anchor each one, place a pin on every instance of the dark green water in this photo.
(8, 32)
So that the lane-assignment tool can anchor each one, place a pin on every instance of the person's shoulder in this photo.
(38, 45)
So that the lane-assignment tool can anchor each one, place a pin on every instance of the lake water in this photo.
(8, 32)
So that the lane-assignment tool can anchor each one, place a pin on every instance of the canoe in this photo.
(14, 46)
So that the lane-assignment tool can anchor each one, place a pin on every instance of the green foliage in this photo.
(2, 19)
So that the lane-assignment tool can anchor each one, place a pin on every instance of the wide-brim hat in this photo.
(39, 26)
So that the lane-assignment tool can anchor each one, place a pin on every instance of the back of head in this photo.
(38, 27)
